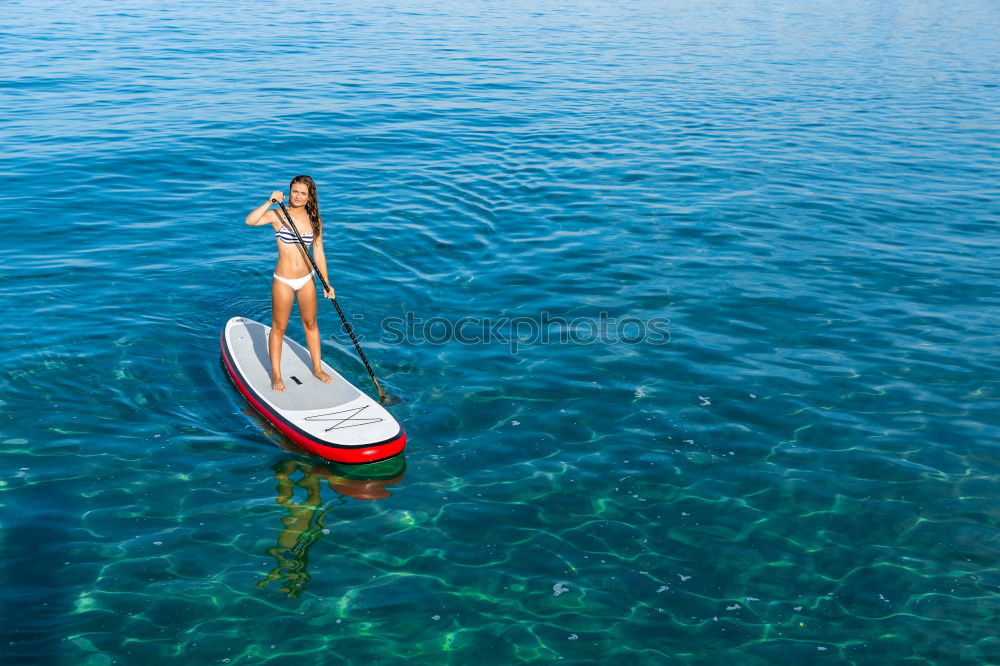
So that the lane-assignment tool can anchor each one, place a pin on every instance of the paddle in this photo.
(383, 397)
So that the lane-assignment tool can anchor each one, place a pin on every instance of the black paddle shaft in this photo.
(347, 326)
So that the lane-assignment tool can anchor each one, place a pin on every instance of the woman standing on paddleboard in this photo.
(293, 277)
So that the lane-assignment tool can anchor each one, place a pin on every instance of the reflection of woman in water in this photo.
(304, 525)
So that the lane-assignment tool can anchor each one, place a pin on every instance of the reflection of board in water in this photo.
(305, 523)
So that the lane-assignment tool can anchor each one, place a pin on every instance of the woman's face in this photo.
(299, 194)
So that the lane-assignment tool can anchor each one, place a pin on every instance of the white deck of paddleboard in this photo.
(336, 413)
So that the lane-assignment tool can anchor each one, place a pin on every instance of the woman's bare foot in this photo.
(322, 376)
(277, 384)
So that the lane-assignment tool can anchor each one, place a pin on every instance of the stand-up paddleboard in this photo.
(333, 421)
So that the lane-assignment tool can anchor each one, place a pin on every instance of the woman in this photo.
(293, 277)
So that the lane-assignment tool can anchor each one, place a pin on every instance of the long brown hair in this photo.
(312, 204)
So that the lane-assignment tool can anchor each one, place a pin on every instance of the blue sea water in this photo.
(692, 307)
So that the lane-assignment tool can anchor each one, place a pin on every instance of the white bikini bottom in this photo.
(295, 283)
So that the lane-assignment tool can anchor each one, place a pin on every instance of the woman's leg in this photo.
(307, 309)
(282, 297)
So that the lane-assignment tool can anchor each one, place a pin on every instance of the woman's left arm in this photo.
(320, 257)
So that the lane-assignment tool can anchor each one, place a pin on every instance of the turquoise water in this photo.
(779, 442)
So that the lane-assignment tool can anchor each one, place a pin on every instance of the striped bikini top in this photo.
(287, 236)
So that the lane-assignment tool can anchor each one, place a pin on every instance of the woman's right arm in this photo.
(259, 215)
